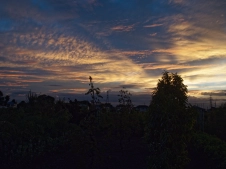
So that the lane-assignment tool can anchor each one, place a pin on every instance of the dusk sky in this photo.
(53, 46)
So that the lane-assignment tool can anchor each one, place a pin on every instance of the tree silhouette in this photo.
(171, 85)
(4, 99)
(94, 92)
(169, 123)
(31, 97)
(122, 124)
(124, 97)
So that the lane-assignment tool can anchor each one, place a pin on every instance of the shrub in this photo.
(211, 146)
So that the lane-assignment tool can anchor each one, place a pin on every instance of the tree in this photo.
(124, 99)
(171, 85)
(170, 123)
(4, 99)
(31, 97)
(94, 92)
(90, 123)
(122, 124)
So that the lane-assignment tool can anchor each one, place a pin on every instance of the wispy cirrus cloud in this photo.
(122, 28)
(153, 25)
(153, 34)
(172, 67)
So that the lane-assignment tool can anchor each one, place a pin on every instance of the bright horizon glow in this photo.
(53, 47)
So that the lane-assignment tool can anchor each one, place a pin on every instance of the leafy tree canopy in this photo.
(170, 123)
(124, 98)
(171, 86)
(4, 99)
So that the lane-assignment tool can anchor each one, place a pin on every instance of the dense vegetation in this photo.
(42, 128)
(211, 148)
(170, 123)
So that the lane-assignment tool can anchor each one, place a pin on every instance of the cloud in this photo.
(128, 86)
(47, 11)
(153, 25)
(52, 85)
(176, 1)
(69, 90)
(64, 57)
(197, 38)
(197, 44)
(64, 42)
(208, 61)
(214, 93)
(171, 67)
(153, 34)
(122, 28)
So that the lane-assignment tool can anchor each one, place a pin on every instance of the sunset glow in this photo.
(53, 47)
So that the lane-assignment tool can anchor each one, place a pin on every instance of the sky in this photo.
(53, 46)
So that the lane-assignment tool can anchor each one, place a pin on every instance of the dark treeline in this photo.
(47, 133)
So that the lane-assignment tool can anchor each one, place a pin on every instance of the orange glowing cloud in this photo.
(64, 58)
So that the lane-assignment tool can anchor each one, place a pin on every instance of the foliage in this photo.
(170, 123)
(31, 97)
(122, 126)
(3, 99)
(213, 147)
(125, 99)
(171, 85)
(94, 92)
(27, 133)
(215, 122)
(42, 126)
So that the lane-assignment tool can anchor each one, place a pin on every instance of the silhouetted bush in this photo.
(212, 147)
(215, 122)
(26, 135)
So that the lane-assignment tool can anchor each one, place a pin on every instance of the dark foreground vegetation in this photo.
(45, 133)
